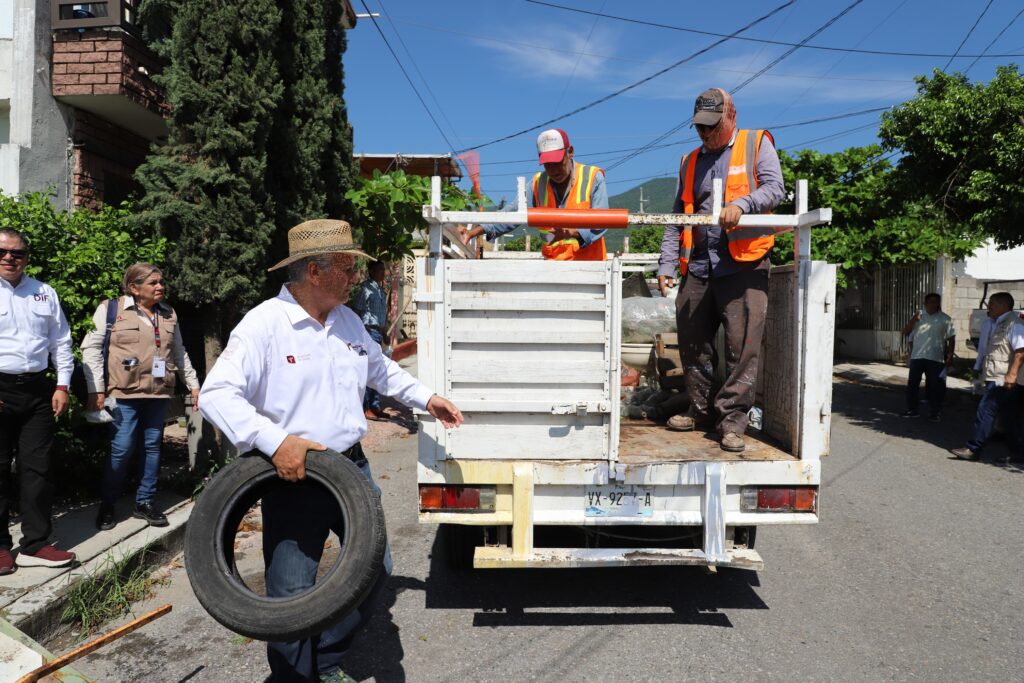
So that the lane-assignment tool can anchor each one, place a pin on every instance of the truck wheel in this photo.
(210, 555)
(459, 542)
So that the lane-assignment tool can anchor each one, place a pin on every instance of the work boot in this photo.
(151, 515)
(681, 423)
(105, 517)
(732, 442)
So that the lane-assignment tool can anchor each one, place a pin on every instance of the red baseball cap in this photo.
(551, 145)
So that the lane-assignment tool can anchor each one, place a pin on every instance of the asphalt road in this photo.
(913, 574)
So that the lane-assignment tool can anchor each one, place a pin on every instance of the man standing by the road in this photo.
(371, 305)
(291, 379)
(563, 184)
(724, 267)
(932, 340)
(999, 364)
(33, 331)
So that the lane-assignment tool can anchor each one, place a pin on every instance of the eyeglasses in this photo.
(704, 128)
(16, 254)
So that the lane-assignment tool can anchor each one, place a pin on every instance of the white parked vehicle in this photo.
(545, 473)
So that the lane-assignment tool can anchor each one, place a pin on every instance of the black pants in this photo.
(739, 302)
(26, 428)
(934, 385)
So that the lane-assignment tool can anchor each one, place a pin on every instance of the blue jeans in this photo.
(371, 399)
(296, 521)
(996, 403)
(135, 417)
(934, 387)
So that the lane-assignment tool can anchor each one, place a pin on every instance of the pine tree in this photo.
(206, 189)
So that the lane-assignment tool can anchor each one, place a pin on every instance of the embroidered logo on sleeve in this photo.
(290, 359)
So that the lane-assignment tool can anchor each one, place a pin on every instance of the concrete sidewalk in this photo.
(889, 375)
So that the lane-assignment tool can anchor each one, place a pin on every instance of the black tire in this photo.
(210, 559)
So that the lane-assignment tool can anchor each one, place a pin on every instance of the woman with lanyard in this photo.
(136, 365)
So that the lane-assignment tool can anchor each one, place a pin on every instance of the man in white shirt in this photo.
(292, 379)
(33, 331)
(932, 340)
(999, 365)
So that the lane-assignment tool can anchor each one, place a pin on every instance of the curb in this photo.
(37, 613)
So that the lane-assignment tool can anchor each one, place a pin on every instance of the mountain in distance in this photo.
(659, 195)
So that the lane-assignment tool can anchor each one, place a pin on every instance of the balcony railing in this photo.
(103, 14)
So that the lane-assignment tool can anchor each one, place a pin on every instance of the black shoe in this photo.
(935, 417)
(105, 517)
(910, 413)
(153, 517)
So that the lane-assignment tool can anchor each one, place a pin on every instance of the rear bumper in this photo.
(567, 558)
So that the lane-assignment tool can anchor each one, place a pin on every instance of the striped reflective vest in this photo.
(745, 243)
(577, 198)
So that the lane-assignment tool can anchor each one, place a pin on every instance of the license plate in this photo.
(618, 501)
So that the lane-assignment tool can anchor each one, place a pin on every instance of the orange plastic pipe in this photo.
(597, 219)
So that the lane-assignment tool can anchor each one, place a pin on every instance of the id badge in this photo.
(159, 368)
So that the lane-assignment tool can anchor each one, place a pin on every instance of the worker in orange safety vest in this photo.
(563, 184)
(724, 267)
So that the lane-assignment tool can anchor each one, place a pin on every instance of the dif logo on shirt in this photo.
(292, 360)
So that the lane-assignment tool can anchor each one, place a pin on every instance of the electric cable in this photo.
(976, 22)
(620, 91)
(993, 41)
(884, 53)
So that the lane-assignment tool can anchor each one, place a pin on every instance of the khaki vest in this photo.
(998, 351)
(131, 337)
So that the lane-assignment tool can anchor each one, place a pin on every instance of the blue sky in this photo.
(488, 68)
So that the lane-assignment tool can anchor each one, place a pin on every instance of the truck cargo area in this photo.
(642, 442)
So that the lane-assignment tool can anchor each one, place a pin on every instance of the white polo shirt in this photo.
(33, 330)
(283, 373)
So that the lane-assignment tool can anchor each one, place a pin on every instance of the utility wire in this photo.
(601, 100)
(887, 53)
(993, 41)
(976, 22)
(406, 74)
(426, 84)
(579, 58)
(650, 145)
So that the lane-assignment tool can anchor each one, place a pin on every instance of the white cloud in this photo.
(555, 52)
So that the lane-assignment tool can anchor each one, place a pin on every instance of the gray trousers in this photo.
(739, 302)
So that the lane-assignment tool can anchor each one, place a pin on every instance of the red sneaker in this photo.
(47, 556)
(6, 562)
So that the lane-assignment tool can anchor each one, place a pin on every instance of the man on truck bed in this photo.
(562, 184)
(725, 267)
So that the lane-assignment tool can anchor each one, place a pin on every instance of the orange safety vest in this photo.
(578, 198)
(745, 243)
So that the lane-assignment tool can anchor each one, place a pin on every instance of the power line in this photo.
(579, 58)
(426, 84)
(976, 22)
(633, 85)
(993, 41)
(888, 53)
(406, 74)
(745, 83)
(795, 124)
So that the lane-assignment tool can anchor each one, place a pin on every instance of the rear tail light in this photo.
(457, 498)
(779, 498)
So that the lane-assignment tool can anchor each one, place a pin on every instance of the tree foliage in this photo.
(646, 239)
(963, 146)
(388, 210)
(82, 255)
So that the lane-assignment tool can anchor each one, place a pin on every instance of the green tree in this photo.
(83, 254)
(206, 188)
(388, 210)
(963, 146)
(646, 239)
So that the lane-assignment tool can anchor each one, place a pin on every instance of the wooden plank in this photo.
(551, 393)
(512, 371)
(463, 352)
(482, 302)
(560, 272)
(528, 290)
(510, 322)
(778, 376)
(527, 336)
(646, 443)
(537, 405)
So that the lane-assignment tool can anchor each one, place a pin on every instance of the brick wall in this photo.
(100, 62)
(105, 157)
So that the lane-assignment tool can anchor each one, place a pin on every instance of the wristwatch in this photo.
(62, 387)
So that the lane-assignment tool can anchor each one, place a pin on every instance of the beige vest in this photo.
(133, 338)
(998, 351)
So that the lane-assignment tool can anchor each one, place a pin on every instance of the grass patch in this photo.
(110, 591)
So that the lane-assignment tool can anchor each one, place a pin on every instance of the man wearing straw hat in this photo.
(291, 379)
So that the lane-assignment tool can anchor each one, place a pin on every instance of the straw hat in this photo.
(320, 236)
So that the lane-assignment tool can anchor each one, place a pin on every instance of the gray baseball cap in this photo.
(709, 107)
